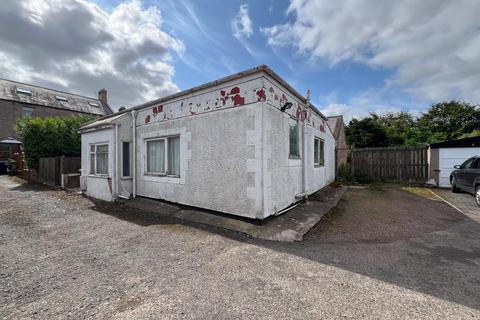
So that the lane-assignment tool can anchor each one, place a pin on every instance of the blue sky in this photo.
(355, 56)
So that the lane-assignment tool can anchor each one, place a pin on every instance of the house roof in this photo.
(333, 122)
(102, 122)
(35, 95)
(459, 143)
(258, 69)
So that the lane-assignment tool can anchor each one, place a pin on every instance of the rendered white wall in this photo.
(96, 186)
(448, 157)
(215, 148)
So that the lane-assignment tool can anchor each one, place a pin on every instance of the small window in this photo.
(99, 159)
(294, 147)
(94, 104)
(61, 98)
(318, 152)
(27, 112)
(24, 91)
(125, 159)
(163, 156)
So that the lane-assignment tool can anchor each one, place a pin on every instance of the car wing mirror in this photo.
(457, 166)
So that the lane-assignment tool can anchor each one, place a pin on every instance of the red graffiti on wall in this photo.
(147, 119)
(261, 95)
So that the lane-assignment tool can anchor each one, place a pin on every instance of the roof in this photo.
(460, 143)
(102, 122)
(35, 95)
(258, 69)
(333, 123)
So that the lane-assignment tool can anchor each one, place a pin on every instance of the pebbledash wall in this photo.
(234, 147)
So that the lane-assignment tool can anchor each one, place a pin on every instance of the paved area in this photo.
(289, 226)
(64, 257)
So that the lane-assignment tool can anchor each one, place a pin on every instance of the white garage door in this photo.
(451, 156)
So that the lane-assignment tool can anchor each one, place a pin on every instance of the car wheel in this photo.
(454, 185)
(477, 195)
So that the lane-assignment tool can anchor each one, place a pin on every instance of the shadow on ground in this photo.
(389, 234)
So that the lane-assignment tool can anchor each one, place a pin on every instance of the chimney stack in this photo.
(102, 96)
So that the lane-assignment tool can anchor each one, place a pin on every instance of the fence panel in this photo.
(50, 169)
(399, 164)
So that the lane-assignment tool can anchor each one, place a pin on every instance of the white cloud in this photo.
(433, 46)
(242, 25)
(75, 45)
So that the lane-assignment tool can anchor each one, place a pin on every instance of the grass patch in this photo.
(421, 192)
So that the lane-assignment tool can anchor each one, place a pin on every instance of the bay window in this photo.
(163, 156)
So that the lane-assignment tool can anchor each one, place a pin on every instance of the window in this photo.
(24, 91)
(476, 165)
(294, 149)
(467, 164)
(318, 152)
(163, 156)
(125, 159)
(27, 112)
(61, 98)
(99, 159)
(94, 104)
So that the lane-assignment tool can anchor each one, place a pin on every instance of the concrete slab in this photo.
(289, 226)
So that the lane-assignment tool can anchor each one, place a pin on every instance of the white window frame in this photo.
(165, 145)
(320, 161)
(130, 159)
(90, 152)
(290, 154)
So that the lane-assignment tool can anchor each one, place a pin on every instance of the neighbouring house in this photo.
(20, 100)
(247, 144)
(338, 129)
(444, 155)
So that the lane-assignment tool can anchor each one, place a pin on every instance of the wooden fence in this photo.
(50, 169)
(398, 164)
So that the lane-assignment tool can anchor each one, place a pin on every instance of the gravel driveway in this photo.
(63, 256)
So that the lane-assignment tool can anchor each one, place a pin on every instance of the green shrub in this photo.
(50, 137)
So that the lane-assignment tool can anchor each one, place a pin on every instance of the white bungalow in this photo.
(247, 144)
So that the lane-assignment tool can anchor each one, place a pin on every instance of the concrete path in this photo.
(289, 226)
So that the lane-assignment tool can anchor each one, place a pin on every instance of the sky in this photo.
(356, 56)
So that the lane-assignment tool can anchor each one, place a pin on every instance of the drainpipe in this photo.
(115, 162)
(304, 148)
(134, 154)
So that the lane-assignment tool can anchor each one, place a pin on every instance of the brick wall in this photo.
(10, 111)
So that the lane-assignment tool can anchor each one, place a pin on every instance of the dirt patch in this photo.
(383, 214)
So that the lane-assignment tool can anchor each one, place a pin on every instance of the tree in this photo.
(50, 137)
(367, 132)
(400, 127)
(449, 120)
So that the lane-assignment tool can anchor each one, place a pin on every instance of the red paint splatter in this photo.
(261, 95)
(154, 109)
(238, 100)
(222, 93)
(191, 111)
(160, 108)
(147, 119)
(235, 90)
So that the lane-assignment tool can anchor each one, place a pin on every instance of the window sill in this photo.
(126, 178)
(319, 166)
(99, 176)
(150, 174)
(294, 157)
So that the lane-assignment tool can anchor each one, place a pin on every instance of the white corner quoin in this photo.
(247, 144)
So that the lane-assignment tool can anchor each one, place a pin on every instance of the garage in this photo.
(444, 155)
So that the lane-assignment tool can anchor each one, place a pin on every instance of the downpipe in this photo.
(134, 153)
(304, 194)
